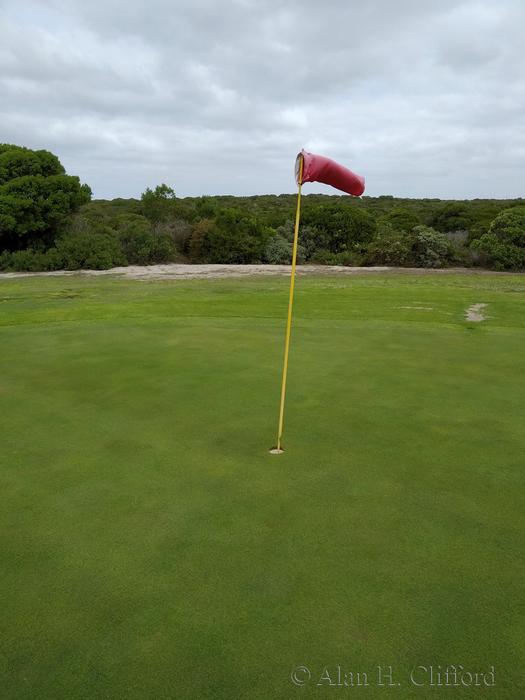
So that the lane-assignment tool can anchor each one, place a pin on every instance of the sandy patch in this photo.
(473, 313)
(419, 308)
(175, 271)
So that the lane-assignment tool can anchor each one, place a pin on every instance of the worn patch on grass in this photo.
(424, 308)
(473, 313)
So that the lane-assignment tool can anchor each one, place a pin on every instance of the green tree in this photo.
(279, 251)
(36, 197)
(484, 214)
(452, 216)
(17, 161)
(158, 203)
(391, 248)
(198, 234)
(233, 237)
(509, 226)
(90, 251)
(432, 249)
(401, 220)
(309, 240)
(421, 247)
(343, 227)
(141, 246)
(504, 244)
(206, 207)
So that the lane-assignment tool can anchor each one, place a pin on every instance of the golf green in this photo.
(153, 549)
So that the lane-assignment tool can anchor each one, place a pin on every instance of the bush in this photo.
(325, 257)
(35, 197)
(501, 256)
(422, 247)
(322, 257)
(179, 231)
(279, 251)
(340, 227)
(504, 244)
(392, 249)
(90, 251)
(30, 260)
(308, 239)
(432, 249)
(164, 249)
(509, 226)
(136, 242)
(400, 220)
(348, 257)
(484, 216)
(142, 247)
(198, 233)
(206, 207)
(452, 216)
(158, 203)
(233, 238)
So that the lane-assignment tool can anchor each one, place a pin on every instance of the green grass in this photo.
(153, 549)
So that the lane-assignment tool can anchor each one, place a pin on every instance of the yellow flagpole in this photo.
(289, 324)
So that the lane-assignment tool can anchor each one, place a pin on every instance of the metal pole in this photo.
(289, 324)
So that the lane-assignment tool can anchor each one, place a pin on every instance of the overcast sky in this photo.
(424, 98)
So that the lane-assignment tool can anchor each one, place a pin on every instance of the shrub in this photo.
(343, 259)
(485, 214)
(91, 251)
(322, 257)
(341, 227)
(179, 232)
(198, 233)
(142, 247)
(500, 256)
(509, 226)
(478, 258)
(309, 239)
(400, 220)
(30, 260)
(136, 242)
(348, 257)
(452, 216)
(504, 244)
(158, 203)
(391, 249)
(35, 197)
(119, 221)
(279, 251)
(432, 249)
(422, 247)
(206, 207)
(164, 248)
(234, 238)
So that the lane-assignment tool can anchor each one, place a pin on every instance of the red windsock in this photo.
(327, 171)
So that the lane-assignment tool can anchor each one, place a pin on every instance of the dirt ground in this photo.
(179, 272)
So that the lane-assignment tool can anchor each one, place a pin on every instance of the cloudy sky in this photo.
(424, 98)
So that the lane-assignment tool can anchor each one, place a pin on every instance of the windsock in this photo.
(327, 171)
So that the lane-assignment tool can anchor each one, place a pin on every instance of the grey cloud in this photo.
(218, 97)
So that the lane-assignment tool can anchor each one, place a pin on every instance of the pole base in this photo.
(275, 451)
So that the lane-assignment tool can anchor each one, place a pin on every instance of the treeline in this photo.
(47, 222)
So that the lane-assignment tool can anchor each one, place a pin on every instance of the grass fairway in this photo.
(152, 548)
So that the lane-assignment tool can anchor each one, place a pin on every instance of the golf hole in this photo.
(275, 451)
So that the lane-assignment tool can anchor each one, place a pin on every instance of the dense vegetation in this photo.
(48, 222)
(35, 197)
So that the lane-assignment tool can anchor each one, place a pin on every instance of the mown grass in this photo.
(151, 546)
